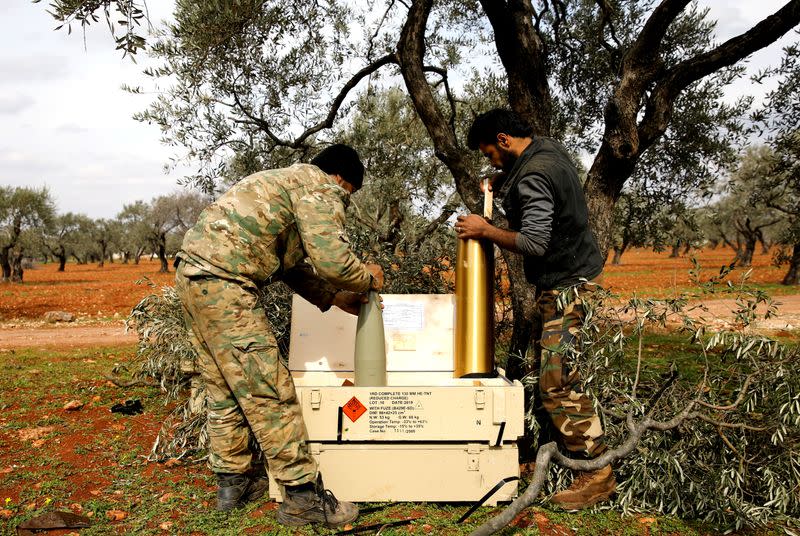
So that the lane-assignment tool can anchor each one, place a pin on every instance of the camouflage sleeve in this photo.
(313, 288)
(320, 221)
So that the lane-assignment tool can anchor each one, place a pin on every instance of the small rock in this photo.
(90, 513)
(166, 525)
(58, 316)
(76, 507)
(116, 515)
(32, 434)
(73, 405)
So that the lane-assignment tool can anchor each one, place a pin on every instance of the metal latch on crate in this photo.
(473, 457)
(480, 399)
(316, 398)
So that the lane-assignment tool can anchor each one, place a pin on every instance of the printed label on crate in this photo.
(399, 412)
(404, 316)
(354, 409)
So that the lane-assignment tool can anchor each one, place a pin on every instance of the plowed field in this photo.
(94, 293)
(87, 291)
(643, 271)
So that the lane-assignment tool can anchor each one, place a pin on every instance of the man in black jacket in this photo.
(548, 219)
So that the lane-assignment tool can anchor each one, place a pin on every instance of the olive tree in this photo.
(780, 188)
(133, 221)
(631, 81)
(171, 214)
(62, 239)
(22, 210)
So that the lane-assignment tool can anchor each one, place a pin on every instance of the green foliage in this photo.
(25, 213)
(63, 238)
(733, 461)
(165, 353)
(743, 435)
(640, 221)
(745, 214)
(779, 189)
(123, 18)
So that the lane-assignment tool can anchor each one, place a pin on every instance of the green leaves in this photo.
(128, 14)
(743, 437)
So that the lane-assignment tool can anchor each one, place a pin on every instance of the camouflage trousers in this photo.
(248, 389)
(564, 411)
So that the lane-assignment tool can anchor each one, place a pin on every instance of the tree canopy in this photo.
(637, 83)
(22, 210)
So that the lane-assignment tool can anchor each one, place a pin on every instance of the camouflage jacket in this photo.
(283, 224)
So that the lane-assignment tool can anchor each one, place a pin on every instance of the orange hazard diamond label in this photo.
(354, 409)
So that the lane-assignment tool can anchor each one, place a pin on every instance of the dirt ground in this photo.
(87, 291)
(93, 462)
(648, 273)
(113, 333)
(101, 298)
(65, 336)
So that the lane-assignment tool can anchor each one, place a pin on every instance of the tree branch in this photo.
(659, 109)
(606, 11)
(549, 453)
(378, 28)
(523, 55)
(119, 382)
(738, 400)
(721, 424)
(447, 211)
(638, 358)
(450, 98)
(410, 53)
(332, 112)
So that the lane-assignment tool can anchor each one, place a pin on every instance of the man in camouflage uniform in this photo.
(284, 224)
(543, 201)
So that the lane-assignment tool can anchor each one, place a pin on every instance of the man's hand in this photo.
(349, 302)
(472, 226)
(377, 276)
(497, 177)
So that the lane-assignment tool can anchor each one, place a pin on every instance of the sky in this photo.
(67, 125)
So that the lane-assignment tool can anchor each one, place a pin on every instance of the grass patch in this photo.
(93, 462)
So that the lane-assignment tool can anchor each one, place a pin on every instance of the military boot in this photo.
(234, 490)
(312, 503)
(587, 489)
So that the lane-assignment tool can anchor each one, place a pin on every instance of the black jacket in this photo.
(571, 254)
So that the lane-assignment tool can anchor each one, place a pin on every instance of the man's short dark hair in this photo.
(489, 124)
(341, 159)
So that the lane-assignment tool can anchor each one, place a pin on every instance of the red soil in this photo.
(86, 291)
